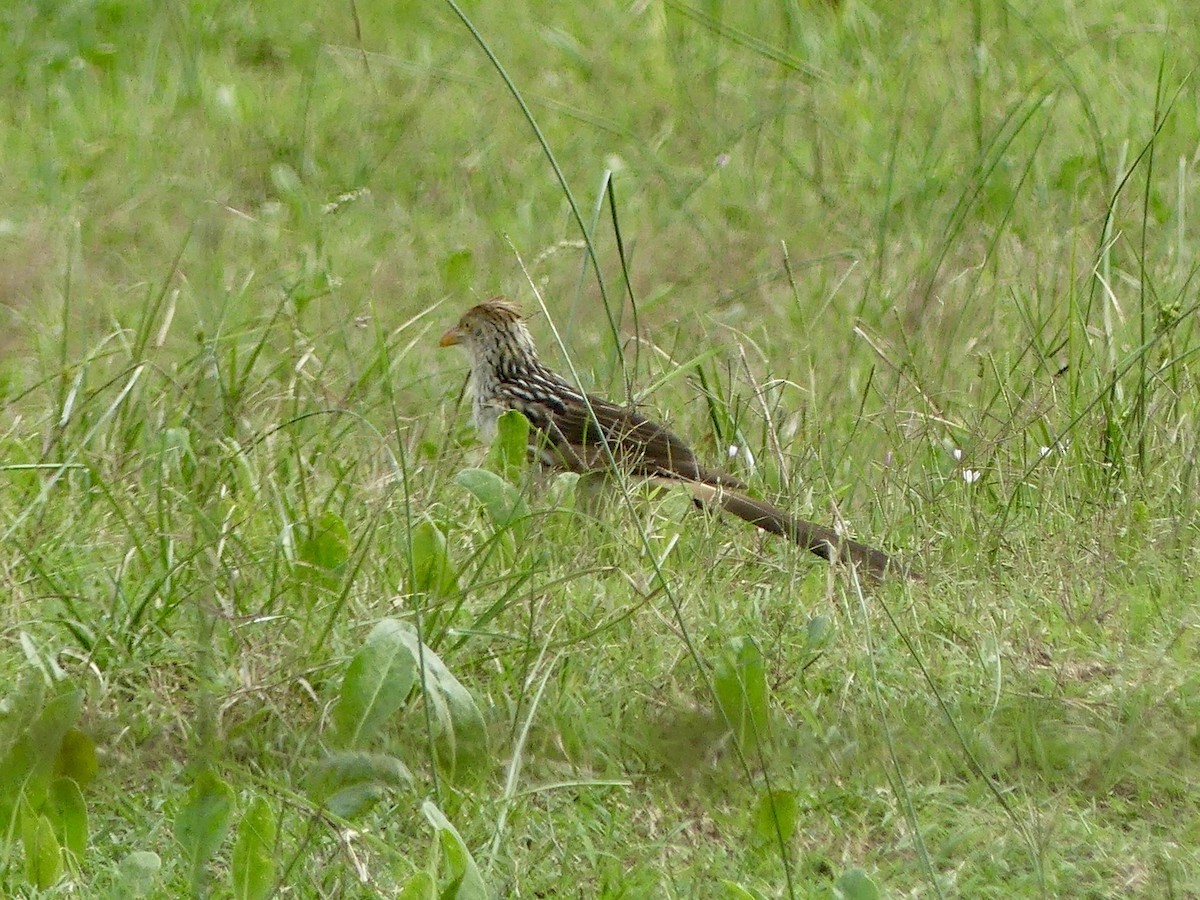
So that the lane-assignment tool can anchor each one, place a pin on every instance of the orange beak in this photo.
(451, 338)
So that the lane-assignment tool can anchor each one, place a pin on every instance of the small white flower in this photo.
(1059, 447)
(970, 476)
(735, 451)
(956, 453)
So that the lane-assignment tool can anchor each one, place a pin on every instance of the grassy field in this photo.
(276, 623)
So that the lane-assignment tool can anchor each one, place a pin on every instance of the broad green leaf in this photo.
(462, 740)
(464, 873)
(349, 783)
(17, 781)
(43, 857)
(855, 884)
(420, 887)
(253, 862)
(21, 708)
(77, 758)
(68, 814)
(49, 729)
(432, 571)
(509, 453)
(462, 733)
(26, 769)
(355, 799)
(562, 491)
(137, 874)
(740, 681)
(504, 504)
(773, 806)
(18, 754)
(376, 683)
(203, 822)
(326, 543)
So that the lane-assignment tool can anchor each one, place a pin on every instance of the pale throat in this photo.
(482, 386)
(485, 385)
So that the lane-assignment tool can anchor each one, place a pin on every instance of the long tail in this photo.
(825, 542)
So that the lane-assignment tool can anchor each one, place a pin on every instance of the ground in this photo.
(271, 623)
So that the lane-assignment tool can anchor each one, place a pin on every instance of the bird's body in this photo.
(583, 433)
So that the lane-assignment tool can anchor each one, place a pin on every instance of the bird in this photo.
(578, 432)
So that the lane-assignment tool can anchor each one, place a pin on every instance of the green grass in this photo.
(934, 269)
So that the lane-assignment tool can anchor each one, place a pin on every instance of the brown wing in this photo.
(639, 445)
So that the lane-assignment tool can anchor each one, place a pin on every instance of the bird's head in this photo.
(492, 327)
